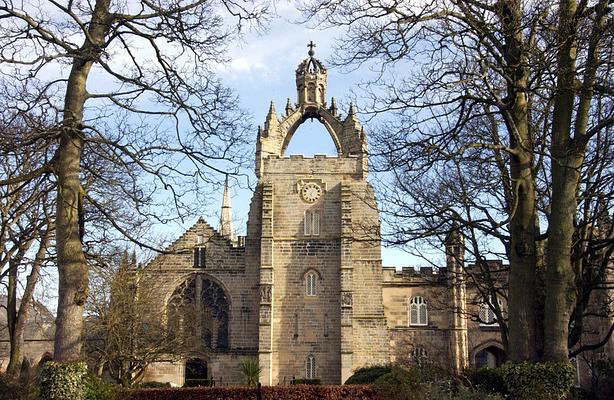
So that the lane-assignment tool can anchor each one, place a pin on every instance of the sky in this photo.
(262, 69)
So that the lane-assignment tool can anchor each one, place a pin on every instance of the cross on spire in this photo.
(311, 45)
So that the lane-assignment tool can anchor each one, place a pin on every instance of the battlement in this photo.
(391, 275)
(318, 164)
(314, 157)
(411, 275)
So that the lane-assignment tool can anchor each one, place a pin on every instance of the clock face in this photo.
(311, 192)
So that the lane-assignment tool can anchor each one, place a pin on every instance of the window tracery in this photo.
(418, 312)
(310, 367)
(487, 315)
(199, 308)
(311, 280)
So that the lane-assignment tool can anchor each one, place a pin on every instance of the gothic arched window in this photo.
(310, 367)
(311, 281)
(418, 313)
(199, 309)
(487, 314)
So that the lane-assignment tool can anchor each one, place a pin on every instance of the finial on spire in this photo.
(271, 118)
(352, 111)
(289, 107)
(333, 106)
(311, 51)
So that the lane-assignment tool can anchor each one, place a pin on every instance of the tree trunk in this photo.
(567, 158)
(21, 318)
(14, 366)
(560, 277)
(521, 311)
(72, 268)
(522, 280)
(559, 274)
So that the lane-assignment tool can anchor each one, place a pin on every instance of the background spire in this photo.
(226, 229)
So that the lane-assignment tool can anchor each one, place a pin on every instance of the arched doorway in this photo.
(195, 372)
(491, 356)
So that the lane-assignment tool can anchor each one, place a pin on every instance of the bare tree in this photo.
(26, 233)
(498, 108)
(154, 107)
(126, 328)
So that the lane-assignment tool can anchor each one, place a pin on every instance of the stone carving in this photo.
(265, 293)
(346, 299)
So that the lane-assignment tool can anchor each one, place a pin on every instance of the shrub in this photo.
(314, 381)
(538, 381)
(580, 394)
(603, 377)
(368, 375)
(437, 392)
(154, 385)
(60, 381)
(15, 389)
(97, 389)
(428, 372)
(398, 384)
(487, 380)
(190, 383)
(293, 392)
(250, 369)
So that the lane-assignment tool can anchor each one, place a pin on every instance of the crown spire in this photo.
(311, 80)
(226, 228)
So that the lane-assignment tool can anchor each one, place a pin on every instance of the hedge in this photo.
(305, 381)
(487, 379)
(538, 381)
(399, 384)
(368, 375)
(294, 392)
(62, 381)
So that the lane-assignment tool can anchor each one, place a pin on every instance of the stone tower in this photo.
(318, 253)
(458, 342)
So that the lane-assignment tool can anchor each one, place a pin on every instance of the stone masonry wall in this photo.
(302, 325)
(226, 266)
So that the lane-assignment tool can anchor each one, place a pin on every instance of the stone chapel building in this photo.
(304, 291)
